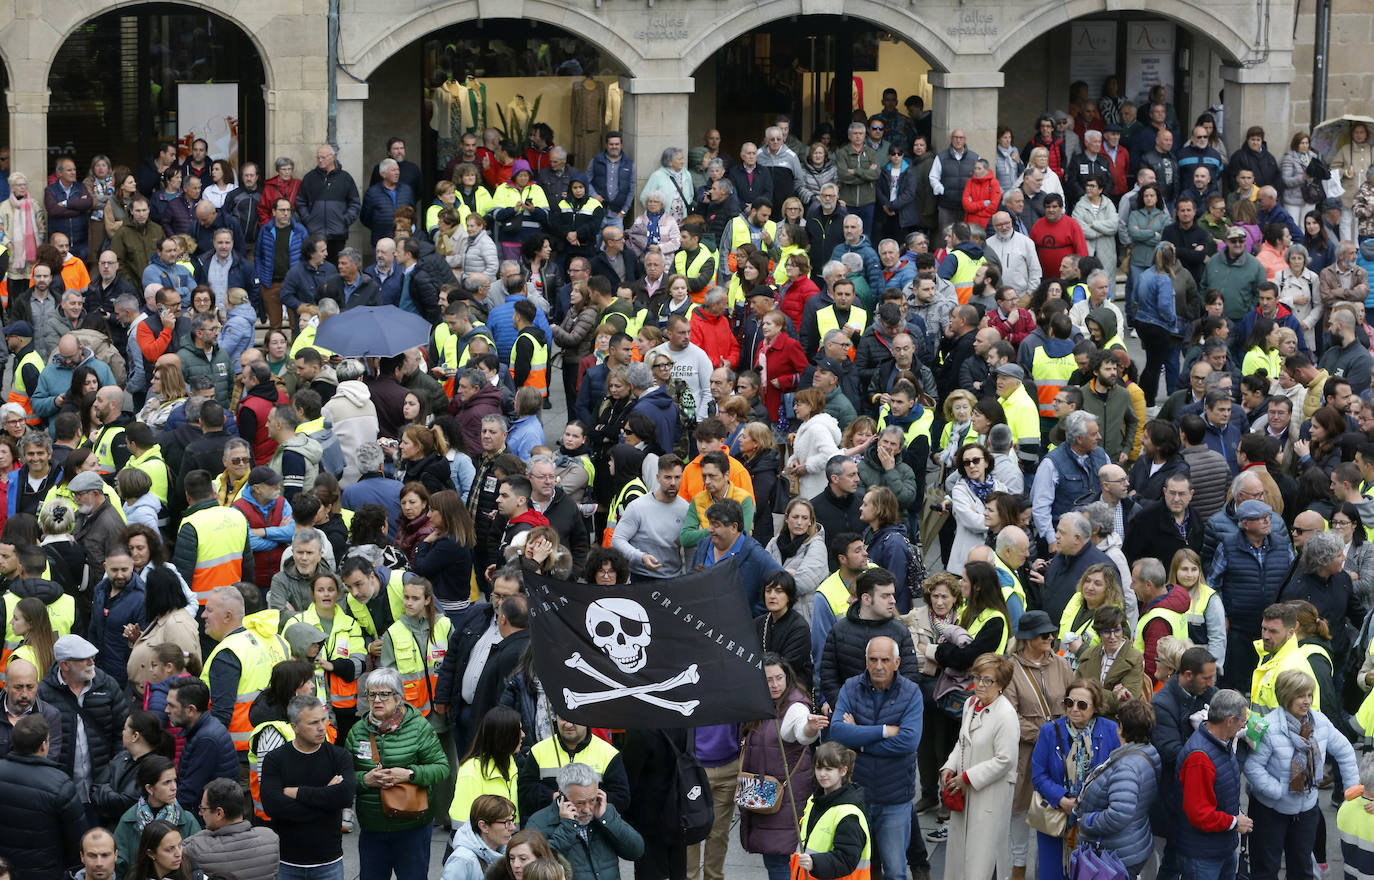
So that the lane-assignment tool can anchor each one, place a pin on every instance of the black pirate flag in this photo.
(673, 653)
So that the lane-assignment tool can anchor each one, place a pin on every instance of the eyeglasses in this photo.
(983, 680)
(875, 128)
(1083, 705)
(1114, 631)
(1301, 531)
(1340, 523)
(976, 459)
(240, 461)
(374, 696)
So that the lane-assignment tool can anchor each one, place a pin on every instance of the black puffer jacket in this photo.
(566, 519)
(432, 470)
(41, 819)
(843, 655)
(103, 713)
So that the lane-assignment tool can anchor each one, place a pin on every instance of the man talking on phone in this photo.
(164, 330)
(584, 828)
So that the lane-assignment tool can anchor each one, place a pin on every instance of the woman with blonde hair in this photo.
(799, 547)
(167, 390)
(1206, 614)
(1039, 158)
(422, 458)
(958, 431)
(816, 441)
(1099, 587)
(1168, 655)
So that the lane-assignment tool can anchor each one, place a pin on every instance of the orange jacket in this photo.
(692, 483)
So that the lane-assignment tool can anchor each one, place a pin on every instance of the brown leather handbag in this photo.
(404, 800)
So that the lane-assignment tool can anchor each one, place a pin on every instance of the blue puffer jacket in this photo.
(1246, 586)
(1223, 440)
(1114, 809)
(266, 251)
(1047, 760)
(884, 769)
(1268, 769)
(1222, 524)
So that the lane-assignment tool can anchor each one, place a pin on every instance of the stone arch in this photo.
(365, 61)
(1052, 14)
(932, 46)
(63, 19)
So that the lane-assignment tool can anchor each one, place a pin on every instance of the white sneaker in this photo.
(1131, 331)
(347, 820)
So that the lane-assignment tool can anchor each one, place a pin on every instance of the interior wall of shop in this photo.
(1038, 79)
(900, 66)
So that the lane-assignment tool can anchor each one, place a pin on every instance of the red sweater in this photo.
(1021, 325)
(1199, 777)
(1055, 241)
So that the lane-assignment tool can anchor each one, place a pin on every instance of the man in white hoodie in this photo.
(353, 415)
(1016, 252)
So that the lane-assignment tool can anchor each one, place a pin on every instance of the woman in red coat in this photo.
(799, 288)
(779, 360)
(982, 195)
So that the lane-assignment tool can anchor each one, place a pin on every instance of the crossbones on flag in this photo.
(672, 653)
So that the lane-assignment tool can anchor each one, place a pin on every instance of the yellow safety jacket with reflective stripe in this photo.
(681, 267)
(288, 733)
(1178, 625)
(549, 754)
(982, 620)
(970, 436)
(61, 616)
(827, 320)
(1022, 415)
(1197, 610)
(1050, 374)
(258, 648)
(836, 593)
(539, 363)
(507, 196)
(1066, 622)
(104, 447)
(419, 666)
(395, 589)
(344, 643)
(821, 838)
(965, 268)
(480, 198)
(920, 427)
(221, 538)
(1288, 656)
(780, 271)
(738, 232)
(19, 392)
(618, 506)
(1015, 589)
(150, 461)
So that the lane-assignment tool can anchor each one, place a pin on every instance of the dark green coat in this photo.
(415, 746)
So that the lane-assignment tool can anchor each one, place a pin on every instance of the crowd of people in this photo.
(258, 595)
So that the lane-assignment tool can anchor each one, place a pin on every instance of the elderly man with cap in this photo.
(1237, 274)
(1249, 569)
(19, 698)
(93, 709)
(1023, 416)
(98, 522)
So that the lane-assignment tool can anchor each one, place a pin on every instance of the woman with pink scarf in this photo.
(23, 227)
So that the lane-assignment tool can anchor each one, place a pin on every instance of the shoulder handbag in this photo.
(760, 792)
(1043, 816)
(404, 800)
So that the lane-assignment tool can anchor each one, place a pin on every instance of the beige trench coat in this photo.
(986, 751)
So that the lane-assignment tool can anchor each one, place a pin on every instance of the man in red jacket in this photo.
(711, 331)
(1163, 608)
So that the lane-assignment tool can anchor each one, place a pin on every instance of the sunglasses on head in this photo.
(1083, 705)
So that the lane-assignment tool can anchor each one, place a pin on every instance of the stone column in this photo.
(653, 118)
(966, 100)
(1258, 96)
(29, 136)
(352, 99)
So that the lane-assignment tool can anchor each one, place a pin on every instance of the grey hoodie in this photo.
(649, 526)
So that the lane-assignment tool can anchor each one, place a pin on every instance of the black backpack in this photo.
(690, 794)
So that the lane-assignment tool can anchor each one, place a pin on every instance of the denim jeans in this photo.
(332, 871)
(1223, 868)
(380, 853)
(778, 867)
(890, 825)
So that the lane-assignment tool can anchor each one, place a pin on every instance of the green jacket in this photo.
(194, 362)
(415, 746)
(597, 857)
(1115, 417)
(1238, 282)
(901, 479)
(126, 835)
(853, 174)
(839, 406)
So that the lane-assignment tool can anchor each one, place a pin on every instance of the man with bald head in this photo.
(878, 715)
(56, 378)
(328, 202)
(20, 698)
(1116, 493)
(1015, 549)
(107, 412)
(1012, 247)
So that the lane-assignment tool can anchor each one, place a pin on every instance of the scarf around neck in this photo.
(143, 814)
(981, 488)
(23, 234)
(1302, 773)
